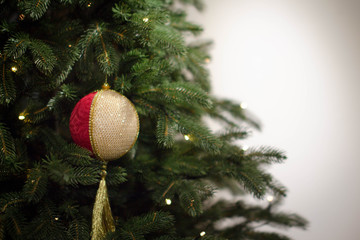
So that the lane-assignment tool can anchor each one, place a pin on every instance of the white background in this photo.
(296, 63)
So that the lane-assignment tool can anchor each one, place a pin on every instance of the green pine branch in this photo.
(179, 22)
(190, 197)
(168, 39)
(77, 156)
(116, 175)
(7, 150)
(180, 93)
(79, 229)
(140, 226)
(106, 55)
(42, 54)
(165, 131)
(7, 86)
(199, 134)
(15, 223)
(266, 155)
(10, 200)
(34, 8)
(64, 173)
(233, 133)
(36, 184)
(47, 224)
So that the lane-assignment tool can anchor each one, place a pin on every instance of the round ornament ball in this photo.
(106, 123)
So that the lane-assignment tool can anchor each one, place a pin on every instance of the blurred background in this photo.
(296, 63)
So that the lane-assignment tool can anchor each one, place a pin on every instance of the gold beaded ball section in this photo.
(106, 123)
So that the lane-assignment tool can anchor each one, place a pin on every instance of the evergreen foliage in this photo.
(52, 53)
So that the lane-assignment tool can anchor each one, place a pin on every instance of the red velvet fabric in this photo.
(79, 122)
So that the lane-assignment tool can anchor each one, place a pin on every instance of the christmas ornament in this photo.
(106, 123)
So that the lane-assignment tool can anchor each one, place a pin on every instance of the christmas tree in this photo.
(53, 53)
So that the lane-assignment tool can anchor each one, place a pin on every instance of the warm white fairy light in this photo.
(243, 105)
(186, 137)
(168, 201)
(56, 219)
(145, 19)
(89, 4)
(21, 116)
(270, 198)
(14, 69)
(245, 147)
(207, 60)
(202, 233)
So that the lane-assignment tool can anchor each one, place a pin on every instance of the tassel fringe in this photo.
(102, 219)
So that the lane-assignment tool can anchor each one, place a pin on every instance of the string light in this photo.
(243, 105)
(202, 233)
(168, 201)
(70, 45)
(89, 4)
(245, 147)
(14, 68)
(187, 138)
(21, 116)
(207, 60)
(56, 219)
(145, 19)
(270, 198)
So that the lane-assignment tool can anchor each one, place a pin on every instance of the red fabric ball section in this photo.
(80, 120)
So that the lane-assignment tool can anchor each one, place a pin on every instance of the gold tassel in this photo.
(102, 219)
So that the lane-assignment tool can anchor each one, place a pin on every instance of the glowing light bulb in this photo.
(168, 201)
(243, 105)
(70, 45)
(202, 233)
(21, 116)
(56, 218)
(245, 147)
(89, 4)
(270, 198)
(145, 19)
(207, 60)
(187, 138)
(14, 69)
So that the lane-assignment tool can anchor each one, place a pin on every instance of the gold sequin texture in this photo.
(114, 125)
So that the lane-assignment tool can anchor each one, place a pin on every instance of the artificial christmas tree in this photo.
(53, 53)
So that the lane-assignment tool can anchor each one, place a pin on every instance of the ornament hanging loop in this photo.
(106, 86)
